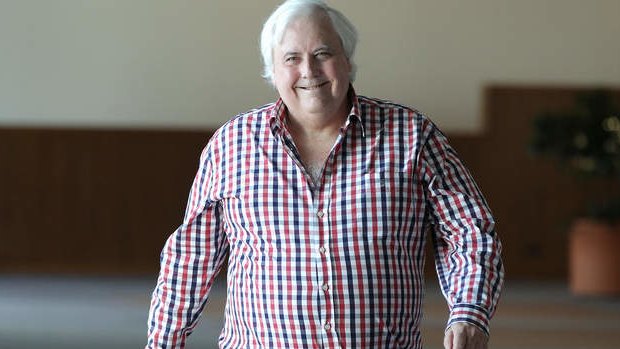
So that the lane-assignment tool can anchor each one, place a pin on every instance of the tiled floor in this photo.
(69, 312)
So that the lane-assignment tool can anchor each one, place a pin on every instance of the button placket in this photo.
(322, 212)
(325, 260)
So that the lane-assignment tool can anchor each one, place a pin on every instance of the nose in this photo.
(310, 67)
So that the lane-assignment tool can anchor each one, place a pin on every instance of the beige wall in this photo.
(191, 63)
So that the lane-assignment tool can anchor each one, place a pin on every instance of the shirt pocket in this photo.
(387, 185)
(388, 201)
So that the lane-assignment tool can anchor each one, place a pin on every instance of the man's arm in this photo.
(467, 248)
(190, 260)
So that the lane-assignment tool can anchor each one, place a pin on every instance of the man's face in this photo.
(311, 71)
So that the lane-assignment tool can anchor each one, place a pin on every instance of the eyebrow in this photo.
(322, 48)
(318, 49)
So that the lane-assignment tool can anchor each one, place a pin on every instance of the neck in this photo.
(317, 124)
(310, 127)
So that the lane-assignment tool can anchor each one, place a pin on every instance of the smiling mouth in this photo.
(313, 87)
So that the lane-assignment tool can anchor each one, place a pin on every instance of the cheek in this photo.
(340, 70)
(283, 83)
(284, 77)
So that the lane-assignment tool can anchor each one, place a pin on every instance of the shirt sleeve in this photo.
(190, 260)
(467, 247)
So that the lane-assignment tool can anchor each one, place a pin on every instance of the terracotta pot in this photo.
(594, 253)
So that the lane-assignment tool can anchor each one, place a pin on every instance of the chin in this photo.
(316, 104)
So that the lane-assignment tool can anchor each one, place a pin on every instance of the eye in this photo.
(290, 59)
(323, 55)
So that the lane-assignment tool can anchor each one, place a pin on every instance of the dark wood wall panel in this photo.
(76, 200)
(104, 201)
(534, 202)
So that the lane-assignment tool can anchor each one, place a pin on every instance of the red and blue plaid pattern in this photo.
(339, 264)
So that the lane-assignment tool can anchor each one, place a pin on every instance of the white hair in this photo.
(276, 24)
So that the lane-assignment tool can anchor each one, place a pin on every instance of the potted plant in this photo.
(586, 142)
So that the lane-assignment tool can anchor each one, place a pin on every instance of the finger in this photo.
(460, 340)
(475, 338)
(447, 339)
(455, 337)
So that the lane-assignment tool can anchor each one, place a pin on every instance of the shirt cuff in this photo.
(472, 314)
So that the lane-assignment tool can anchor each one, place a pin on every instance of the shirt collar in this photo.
(277, 116)
(355, 114)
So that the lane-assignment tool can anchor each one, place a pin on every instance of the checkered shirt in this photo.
(336, 264)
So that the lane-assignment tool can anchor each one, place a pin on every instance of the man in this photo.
(321, 203)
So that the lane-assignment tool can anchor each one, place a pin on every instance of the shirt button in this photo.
(320, 214)
(325, 287)
(322, 249)
(327, 326)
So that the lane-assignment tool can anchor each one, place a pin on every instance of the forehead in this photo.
(307, 30)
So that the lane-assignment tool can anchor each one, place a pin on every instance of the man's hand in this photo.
(462, 335)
